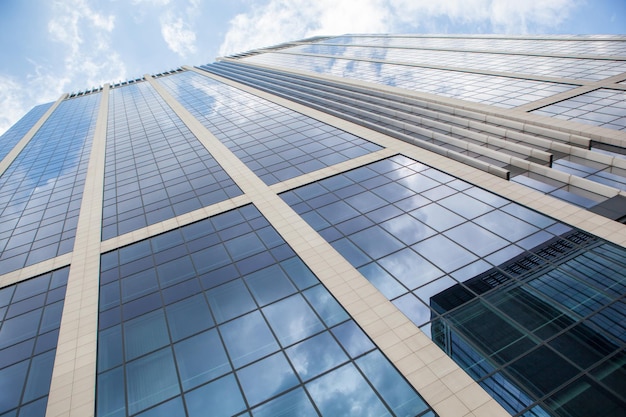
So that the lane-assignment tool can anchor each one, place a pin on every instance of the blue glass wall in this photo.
(41, 192)
(222, 318)
(581, 69)
(274, 142)
(155, 168)
(10, 138)
(510, 294)
(30, 316)
(575, 45)
(505, 92)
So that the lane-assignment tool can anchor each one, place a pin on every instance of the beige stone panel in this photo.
(35, 270)
(72, 389)
(173, 223)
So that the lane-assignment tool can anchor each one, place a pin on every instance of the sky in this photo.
(51, 47)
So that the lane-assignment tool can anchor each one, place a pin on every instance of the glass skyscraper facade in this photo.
(361, 225)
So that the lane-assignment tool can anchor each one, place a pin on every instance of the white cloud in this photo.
(85, 33)
(15, 100)
(282, 20)
(10, 102)
(82, 35)
(278, 21)
(178, 35)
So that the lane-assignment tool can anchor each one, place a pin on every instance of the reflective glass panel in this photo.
(508, 293)
(155, 167)
(41, 191)
(274, 142)
(28, 341)
(220, 334)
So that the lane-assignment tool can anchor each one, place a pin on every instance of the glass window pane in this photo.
(351, 252)
(408, 229)
(170, 408)
(111, 399)
(344, 392)
(444, 253)
(415, 310)
(269, 284)
(200, 359)
(292, 319)
(465, 205)
(437, 217)
(477, 239)
(299, 273)
(505, 225)
(138, 285)
(410, 268)
(178, 317)
(392, 387)
(19, 328)
(376, 242)
(230, 300)
(175, 271)
(39, 377)
(316, 355)
(145, 334)
(222, 397)
(352, 338)
(150, 380)
(266, 378)
(244, 246)
(34, 409)
(325, 305)
(109, 348)
(248, 338)
(210, 258)
(383, 282)
(293, 403)
(11, 383)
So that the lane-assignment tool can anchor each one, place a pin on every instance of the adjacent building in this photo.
(357, 225)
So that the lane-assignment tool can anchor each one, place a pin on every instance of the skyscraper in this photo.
(354, 225)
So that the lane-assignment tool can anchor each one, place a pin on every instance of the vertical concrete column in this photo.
(72, 390)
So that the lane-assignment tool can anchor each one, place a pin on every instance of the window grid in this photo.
(30, 316)
(41, 192)
(456, 260)
(583, 69)
(487, 89)
(155, 169)
(260, 317)
(603, 107)
(274, 142)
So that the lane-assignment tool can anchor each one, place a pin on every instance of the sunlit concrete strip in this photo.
(335, 169)
(34, 270)
(446, 388)
(72, 390)
(558, 209)
(19, 147)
